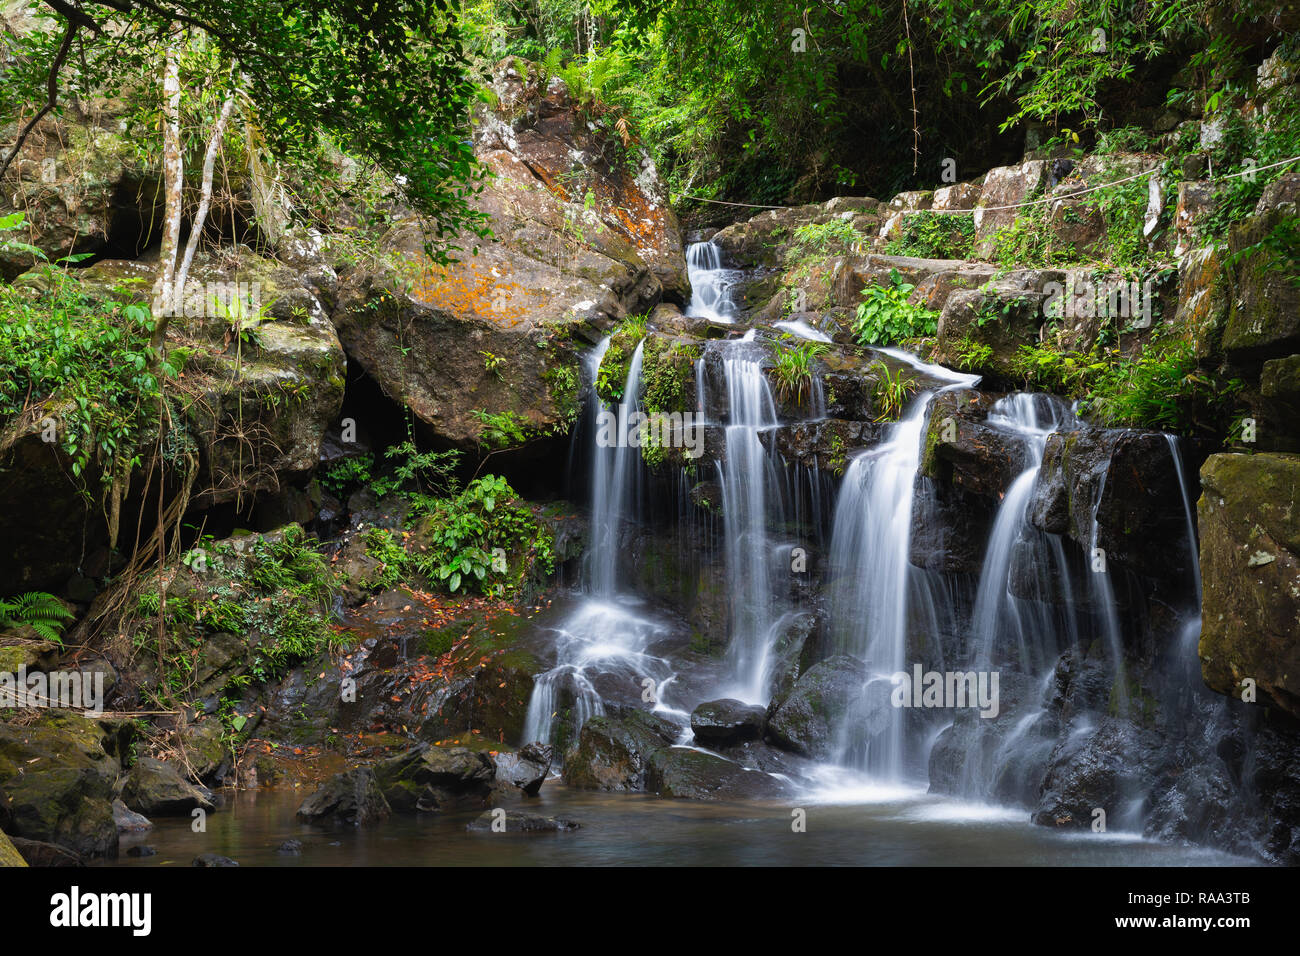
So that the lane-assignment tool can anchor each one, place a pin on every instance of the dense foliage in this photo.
(772, 101)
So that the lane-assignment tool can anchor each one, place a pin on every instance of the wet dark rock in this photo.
(127, 820)
(500, 820)
(39, 853)
(824, 445)
(764, 756)
(213, 859)
(950, 528)
(156, 787)
(526, 770)
(964, 452)
(612, 753)
(1001, 758)
(290, 848)
(691, 774)
(1128, 477)
(431, 779)
(805, 722)
(351, 799)
(793, 653)
(1108, 769)
(721, 722)
(141, 851)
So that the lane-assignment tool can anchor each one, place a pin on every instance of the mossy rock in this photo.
(1265, 315)
(613, 753)
(8, 855)
(58, 775)
(805, 721)
(1250, 571)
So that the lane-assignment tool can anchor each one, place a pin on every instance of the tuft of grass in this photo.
(793, 369)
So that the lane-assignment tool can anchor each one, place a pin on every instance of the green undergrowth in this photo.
(793, 369)
(886, 316)
(272, 592)
(41, 611)
(87, 362)
(1160, 386)
(479, 538)
(934, 235)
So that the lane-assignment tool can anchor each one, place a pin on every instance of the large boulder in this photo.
(526, 769)
(1005, 186)
(436, 779)
(983, 329)
(613, 753)
(580, 240)
(1127, 481)
(821, 698)
(58, 775)
(350, 799)
(85, 187)
(727, 721)
(962, 450)
(1250, 570)
(156, 788)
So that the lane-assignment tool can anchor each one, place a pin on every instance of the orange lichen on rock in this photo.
(466, 287)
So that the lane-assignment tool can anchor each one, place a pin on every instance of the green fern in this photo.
(39, 610)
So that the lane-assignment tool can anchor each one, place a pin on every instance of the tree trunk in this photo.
(169, 297)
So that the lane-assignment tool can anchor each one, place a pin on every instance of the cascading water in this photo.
(870, 545)
(751, 499)
(711, 283)
(601, 647)
(616, 470)
(1000, 620)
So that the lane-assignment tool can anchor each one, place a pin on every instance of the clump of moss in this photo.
(668, 375)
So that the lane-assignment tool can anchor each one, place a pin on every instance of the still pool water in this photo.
(847, 824)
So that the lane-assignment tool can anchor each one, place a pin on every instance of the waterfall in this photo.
(1103, 598)
(710, 283)
(999, 618)
(751, 498)
(616, 474)
(870, 546)
(1192, 547)
(601, 647)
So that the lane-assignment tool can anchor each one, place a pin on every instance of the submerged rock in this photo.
(501, 820)
(429, 779)
(351, 799)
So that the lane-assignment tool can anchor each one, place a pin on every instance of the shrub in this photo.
(887, 316)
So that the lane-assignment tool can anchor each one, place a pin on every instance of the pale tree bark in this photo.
(173, 189)
(205, 195)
